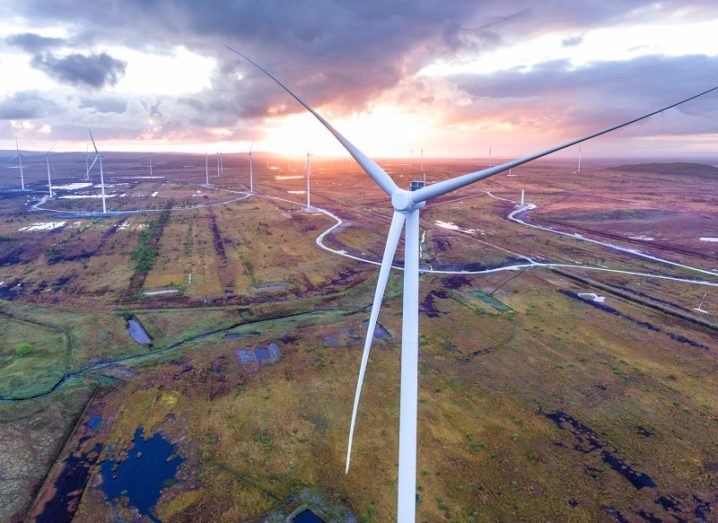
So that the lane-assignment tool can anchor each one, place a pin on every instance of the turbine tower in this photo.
(150, 155)
(251, 172)
(579, 159)
(87, 162)
(218, 162)
(98, 156)
(407, 205)
(309, 176)
(206, 169)
(20, 165)
(49, 176)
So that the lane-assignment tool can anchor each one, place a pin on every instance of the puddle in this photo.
(42, 226)
(239, 335)
(380, 333)
(270, 288)
(307, 516)
(450, 226)
(138, 333)
(94, 422)
(587, 442)
(262, 355)
(160, 292)
(72, 186)
(592, 296)
(151, 465)
(69, 487)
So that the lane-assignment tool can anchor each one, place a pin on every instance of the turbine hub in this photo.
(402, 202)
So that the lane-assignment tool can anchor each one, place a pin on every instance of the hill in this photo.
(683, 168)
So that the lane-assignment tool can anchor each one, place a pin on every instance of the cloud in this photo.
(572, 41)
(576, 100)
(344, 57)
(93, 70)
(32, 42)
(25, 106)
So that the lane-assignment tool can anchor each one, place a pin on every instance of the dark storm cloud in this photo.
(92, 70)
(598, 94)
(339, 53)
(32, 42)
(26, 105)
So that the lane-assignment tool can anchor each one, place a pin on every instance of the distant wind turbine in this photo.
(206, 169)
(309, 176)
(251, 173)
(407, 205)
(87, 162)
(150, 156)
(98, 156)
(49, 176)
(579, 159)
(20, 165)
(218, 162)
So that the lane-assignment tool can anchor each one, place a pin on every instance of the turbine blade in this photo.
(392, 241)
(93, 141)
(443, 187)
(91, 165)
(370, 167)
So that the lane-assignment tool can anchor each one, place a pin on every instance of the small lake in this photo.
(138, 332)
(151, 465)
(307, 516)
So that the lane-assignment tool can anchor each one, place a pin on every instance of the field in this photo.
(565, 373)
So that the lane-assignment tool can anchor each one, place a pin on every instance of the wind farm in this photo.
(260, 316)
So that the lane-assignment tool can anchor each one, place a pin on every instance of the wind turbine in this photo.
(206, 169)
(309, 176)
(251, 172)
(407, 205)
(49, 176)
(700, 305)
(87, 162)
(20, 166)
(98, 156)
(218, 162)
(150, 156)
(579, 159)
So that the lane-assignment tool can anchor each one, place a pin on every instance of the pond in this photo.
(138, 333)
(307, 516)
(151, 465)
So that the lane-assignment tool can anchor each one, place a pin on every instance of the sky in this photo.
(453, 78)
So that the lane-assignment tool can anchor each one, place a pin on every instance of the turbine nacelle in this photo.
(402, 201)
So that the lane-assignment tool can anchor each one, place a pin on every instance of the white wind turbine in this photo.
(206, 169)
(251, 171)
(49, 176)
(309, 176)
(20, 165)
(87, 162)
(407, 205)
(98, 156)
(150, 157)
(218, 162)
